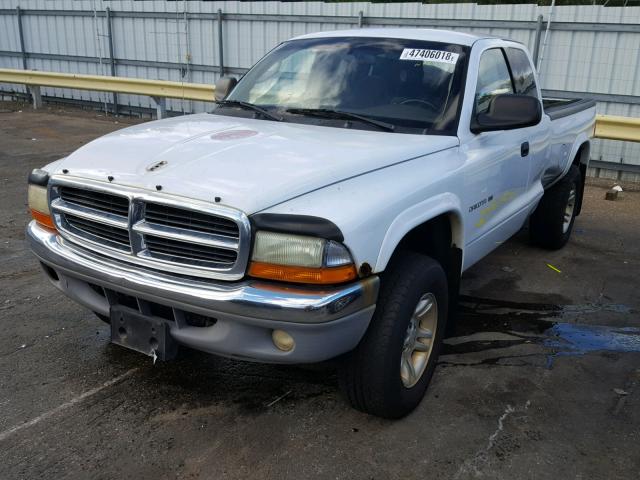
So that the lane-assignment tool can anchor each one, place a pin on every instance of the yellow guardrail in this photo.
(137, 86)
(617, 128)
(607, 126)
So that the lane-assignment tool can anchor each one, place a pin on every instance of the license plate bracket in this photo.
(145, 334)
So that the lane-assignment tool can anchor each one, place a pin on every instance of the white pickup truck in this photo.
(326, 208)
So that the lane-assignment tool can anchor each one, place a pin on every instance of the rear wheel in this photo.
(388, 373)
(551, 224)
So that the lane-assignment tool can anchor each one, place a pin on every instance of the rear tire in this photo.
(551, 224)
(376, 377)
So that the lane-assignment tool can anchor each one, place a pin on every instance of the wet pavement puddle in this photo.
(576, 339)
(526, 330)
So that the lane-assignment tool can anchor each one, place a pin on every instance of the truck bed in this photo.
(562, 107)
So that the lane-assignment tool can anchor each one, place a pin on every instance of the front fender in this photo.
(444, 203)
(376, 210)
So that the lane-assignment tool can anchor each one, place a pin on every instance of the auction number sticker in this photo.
(427, 55)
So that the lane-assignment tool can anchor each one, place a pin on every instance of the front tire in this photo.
(388, 373)
(551, 224)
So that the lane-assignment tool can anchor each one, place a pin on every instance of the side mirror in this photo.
(224, 85)
(507, 112)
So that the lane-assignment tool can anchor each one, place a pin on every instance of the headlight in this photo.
(296, 258)
(39, 203)
(37, 197)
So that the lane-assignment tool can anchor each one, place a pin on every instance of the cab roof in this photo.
(428, 34)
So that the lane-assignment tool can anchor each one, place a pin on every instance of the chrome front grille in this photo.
(180, 218)
(104, 202)
(189, 251)
(159, 231)
(97, 232)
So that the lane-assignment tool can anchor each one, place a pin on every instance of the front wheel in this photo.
(388, 373)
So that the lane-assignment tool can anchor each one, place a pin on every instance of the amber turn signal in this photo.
(286, 273)
(43, 219)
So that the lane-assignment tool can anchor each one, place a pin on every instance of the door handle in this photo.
(524, 149)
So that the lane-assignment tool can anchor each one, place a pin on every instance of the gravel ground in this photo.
(541, 381)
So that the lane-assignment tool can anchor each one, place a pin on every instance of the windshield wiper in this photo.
(339, 114)
(249, 106)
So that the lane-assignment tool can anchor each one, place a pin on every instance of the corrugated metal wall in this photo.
(590, 49)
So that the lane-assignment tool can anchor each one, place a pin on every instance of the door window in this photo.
(493, 79)
(523, 77)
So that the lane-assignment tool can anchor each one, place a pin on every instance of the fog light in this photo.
(282, 340)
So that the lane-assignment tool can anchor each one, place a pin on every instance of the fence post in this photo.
(112, 59)
(360, 19)
(161, 107)
(536, 42)
(220, 49)
(21, 35)
(35, 95)
(34, 91)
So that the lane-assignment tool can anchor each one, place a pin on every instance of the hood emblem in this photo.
(155, 166)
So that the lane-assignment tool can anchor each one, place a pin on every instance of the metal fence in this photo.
(591, 50)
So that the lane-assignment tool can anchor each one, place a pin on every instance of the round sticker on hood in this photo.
(233, 135)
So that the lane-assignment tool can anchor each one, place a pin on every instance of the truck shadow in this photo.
(489, 332)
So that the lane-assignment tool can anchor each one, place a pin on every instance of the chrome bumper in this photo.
(324, 322)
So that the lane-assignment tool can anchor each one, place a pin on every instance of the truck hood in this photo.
(250, 164)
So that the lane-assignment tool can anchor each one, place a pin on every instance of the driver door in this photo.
(498, 167)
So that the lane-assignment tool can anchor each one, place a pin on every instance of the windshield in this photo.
(415, 86)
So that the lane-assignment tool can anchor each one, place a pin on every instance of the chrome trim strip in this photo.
(250, 299)
(185, 235)
(60, 205)
(139, 255)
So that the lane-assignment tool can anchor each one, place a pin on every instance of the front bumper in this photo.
(324, 321)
